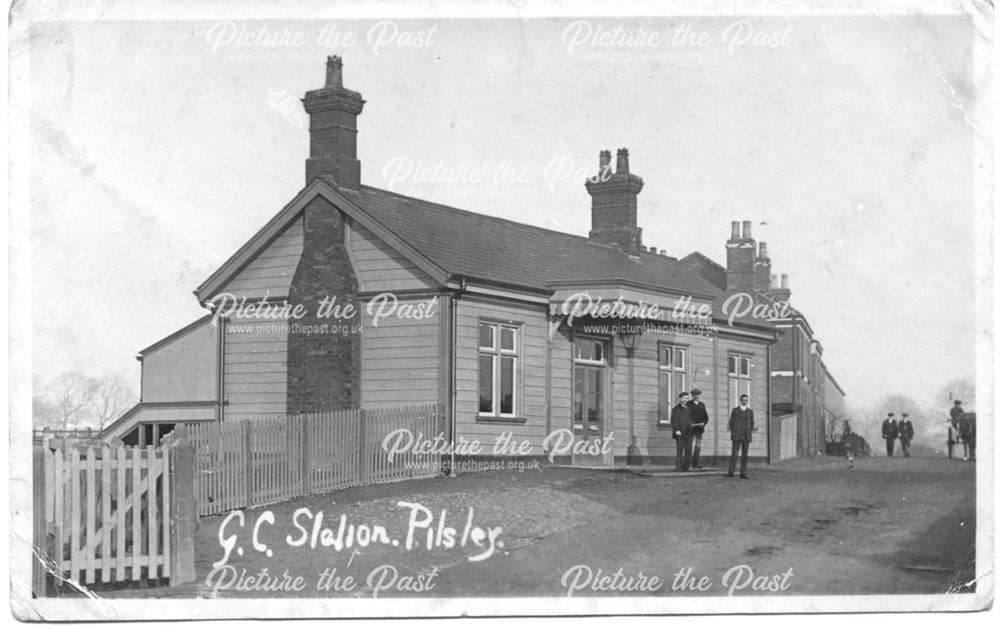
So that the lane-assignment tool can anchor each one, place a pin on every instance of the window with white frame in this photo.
(673, 377)
(740, 378)
(499, 345)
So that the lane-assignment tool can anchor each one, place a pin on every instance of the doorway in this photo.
(590, 400)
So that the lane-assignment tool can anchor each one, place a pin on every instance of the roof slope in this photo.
(698, 262)
(492, 249)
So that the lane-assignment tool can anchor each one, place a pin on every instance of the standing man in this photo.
(957, 413)
(699, 417)
(905, 434)
(741, 428)
(680, 423)
(890, 430)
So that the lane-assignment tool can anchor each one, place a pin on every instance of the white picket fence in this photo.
(253, 463)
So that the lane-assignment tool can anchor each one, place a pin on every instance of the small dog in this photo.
(849, 455)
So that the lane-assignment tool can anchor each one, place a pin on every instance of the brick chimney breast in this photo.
(762, 269)
(614, 204)
(741, 258)
(323, 369)
(333, 129)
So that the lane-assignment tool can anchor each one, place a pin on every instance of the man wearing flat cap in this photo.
(680, 424)
(890, 430)
(957, 412)
(699, 417)
(905, 434)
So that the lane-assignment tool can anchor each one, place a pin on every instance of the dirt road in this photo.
(806, 527)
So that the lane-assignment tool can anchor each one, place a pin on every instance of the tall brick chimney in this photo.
(762, 269)
(782, 293)
(333, 129)
(614, 204)
(741, 257)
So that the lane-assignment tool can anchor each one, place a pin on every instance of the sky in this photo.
(157, 148)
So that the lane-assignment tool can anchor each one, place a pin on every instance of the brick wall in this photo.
(323, 369)
(781, 352)
(792, 394)
(781, 392)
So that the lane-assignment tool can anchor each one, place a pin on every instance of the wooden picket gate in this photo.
(107, 514)
(252, 463)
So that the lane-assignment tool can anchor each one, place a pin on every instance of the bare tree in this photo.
(70, 395)
(959, 389)
(835, 423)
(74, 400)
(112, 397)
(43, 412)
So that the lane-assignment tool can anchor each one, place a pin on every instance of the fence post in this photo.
(305, 458)
(248, 462)
(39, 538)
(183, 514)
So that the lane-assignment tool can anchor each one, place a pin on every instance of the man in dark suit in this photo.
(699, 417)
(905, 434)
(957, 413)
(680, 423)
(741, 429)
(890, 430)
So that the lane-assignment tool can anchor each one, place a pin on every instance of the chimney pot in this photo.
(334, 71)
(774, 280)
(746, 230)
(736, 231)
(604, 166)
(784, 280)
(652, 249)
(762, 251)
(622, 168)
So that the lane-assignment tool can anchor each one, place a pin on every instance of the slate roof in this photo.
(698, 262)
(481, 247)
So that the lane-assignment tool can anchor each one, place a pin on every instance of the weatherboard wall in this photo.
(184, 368)
(380, 268)
(400, 356)
(270, 273)
(256, 369)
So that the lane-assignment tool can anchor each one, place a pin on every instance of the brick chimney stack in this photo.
(782, 293)
(741, 254)
(333, 130)
(762, 269)
(614, 204)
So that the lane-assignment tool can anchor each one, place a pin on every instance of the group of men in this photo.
(688, 420)
(903, 430)
(963, 426)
